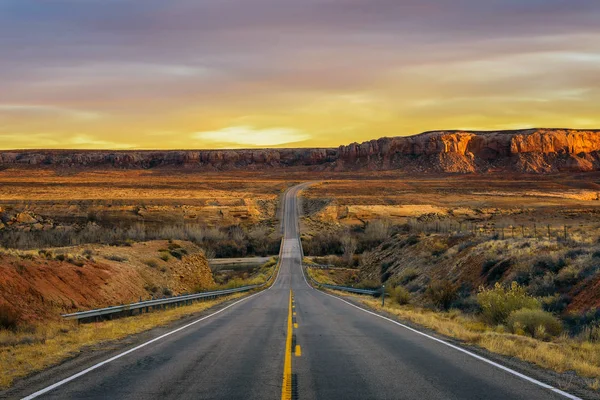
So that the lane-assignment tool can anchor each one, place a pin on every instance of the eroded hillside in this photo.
(42, 284)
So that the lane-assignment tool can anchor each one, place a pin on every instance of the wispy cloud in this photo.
(47, 110)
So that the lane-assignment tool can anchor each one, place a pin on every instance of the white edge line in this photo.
(100, 364)
(500, 366)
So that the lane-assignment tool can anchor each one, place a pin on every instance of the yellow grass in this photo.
(55, 342)
(562, 354)
(320, 276)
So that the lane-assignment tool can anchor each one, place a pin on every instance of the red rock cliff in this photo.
(530, 150)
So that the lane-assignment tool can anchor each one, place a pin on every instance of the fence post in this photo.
(382, 296)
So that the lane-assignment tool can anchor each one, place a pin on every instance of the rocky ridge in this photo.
(523, 151)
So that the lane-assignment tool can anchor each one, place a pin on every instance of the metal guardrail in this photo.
(372, 292)
(351, 289)
(100, 312)
(161, 303)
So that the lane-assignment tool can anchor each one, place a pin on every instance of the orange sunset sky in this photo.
(258, 73)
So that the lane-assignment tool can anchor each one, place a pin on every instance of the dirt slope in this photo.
(43, 285)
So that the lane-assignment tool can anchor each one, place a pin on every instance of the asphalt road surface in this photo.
(339, 352)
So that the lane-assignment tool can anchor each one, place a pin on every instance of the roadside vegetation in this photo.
(532, 335)
(218, 242)
(27, 349)
(533, 298)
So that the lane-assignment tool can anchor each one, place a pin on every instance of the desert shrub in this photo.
(408, 275)
(151, 263)
(178, 253)
(438, 248)
(378, 229)
(536, 323)
(230, 248)
(572, 254)
(116, 257)
(76, 262)
(260, 241)
(590, 334)
(548, 264)
(164, 256)
(589, 270)
(441, 293)
(152, 288)
(578, 322)
(61, 257)
(567, 276)
(9, 317)
(596, 254)
(499, 302)
(411, 240)
(467, 304)
(323, 243)
(167, 292)
(400, 295)
(88, 253)
(556, 303)
(543, 285)
(368, 284)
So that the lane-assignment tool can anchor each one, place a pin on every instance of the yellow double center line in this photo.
(286, 388)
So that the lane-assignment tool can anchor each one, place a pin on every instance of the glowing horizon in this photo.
(188, 74)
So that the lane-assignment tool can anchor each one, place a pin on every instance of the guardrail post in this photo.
(382, 296)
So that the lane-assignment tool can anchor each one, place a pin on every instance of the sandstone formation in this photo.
(529, 151)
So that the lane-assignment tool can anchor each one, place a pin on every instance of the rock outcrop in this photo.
(528, 151)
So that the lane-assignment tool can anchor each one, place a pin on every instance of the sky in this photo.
(181, 74)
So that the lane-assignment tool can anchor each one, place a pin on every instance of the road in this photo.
(342, 353)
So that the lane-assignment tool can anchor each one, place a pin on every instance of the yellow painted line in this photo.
(298, 351)
(295, 326)
(286, 387)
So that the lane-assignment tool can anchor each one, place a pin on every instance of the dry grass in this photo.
(23, 353)
(561, 355)
(320, 275)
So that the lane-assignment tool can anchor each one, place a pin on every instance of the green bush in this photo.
(164, 256)
(498, 303)
(442, 293)
(536, 323)
(400, 295)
